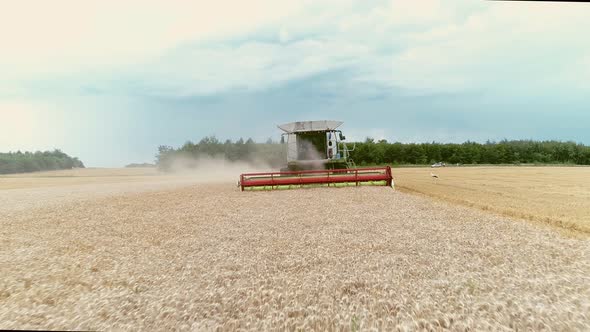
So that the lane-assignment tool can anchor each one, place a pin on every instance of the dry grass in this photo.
(554, 195)
(21, 192)
(87, 172)
(76, 177)
(208, 257)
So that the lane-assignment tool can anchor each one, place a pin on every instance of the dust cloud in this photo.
(32, 192)
(215, 169)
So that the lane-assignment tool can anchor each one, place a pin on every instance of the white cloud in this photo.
(249, 66)
(29, 126)
(511, 45)
(202, 47)
(39, 37)
(425, 46)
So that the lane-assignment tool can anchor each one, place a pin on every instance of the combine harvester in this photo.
(316, 157)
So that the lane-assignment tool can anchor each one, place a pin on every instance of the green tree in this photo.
(19, 162)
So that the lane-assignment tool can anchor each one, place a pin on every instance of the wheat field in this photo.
(78, 176)
(174, 252)
(558, 196)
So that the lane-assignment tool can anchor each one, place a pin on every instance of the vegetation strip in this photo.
(382, 152)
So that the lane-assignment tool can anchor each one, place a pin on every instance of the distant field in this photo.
(88, 172)
(555, 195)
(74, 177)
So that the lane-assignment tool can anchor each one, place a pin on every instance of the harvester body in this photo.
(316, 156)
(315, 145)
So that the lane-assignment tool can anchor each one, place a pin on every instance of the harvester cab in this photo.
(315, 145)
(316, 156)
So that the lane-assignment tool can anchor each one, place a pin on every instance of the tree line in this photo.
(371, 152)
(503, 152)
(23, 162)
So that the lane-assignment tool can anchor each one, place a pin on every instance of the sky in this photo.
(109, 81)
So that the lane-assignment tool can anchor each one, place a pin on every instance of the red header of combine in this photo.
(328, 177)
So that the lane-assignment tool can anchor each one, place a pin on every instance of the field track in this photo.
(159, 255)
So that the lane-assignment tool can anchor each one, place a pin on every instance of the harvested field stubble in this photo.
(557, 196)
(208, 256)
